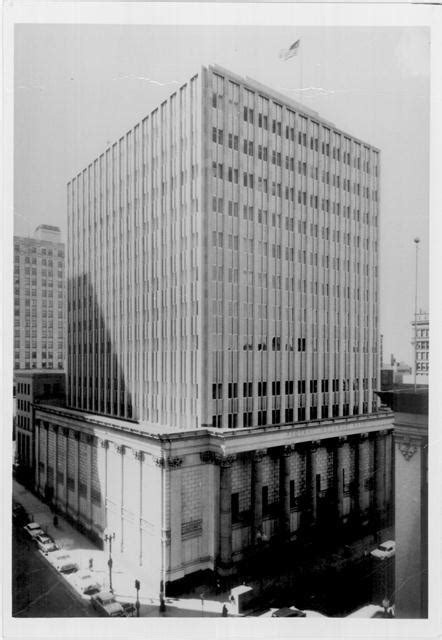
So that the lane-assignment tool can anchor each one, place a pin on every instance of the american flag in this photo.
(292, 51)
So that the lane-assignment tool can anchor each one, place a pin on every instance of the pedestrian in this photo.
(224, 612)
(91, 564)
(55, 520)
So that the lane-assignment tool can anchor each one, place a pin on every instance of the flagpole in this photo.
(300, 65)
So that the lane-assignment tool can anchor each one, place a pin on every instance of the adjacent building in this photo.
(222, 333)
(411, 499)
(39, 300)
(33, 387)
(421, 339)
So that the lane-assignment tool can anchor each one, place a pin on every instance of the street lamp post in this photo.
(137, 603)
(416, 242)
(108, 538)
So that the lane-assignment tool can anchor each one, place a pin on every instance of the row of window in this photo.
(289, 386)
(275, 126)
(275, 219)
(248, 148)
(289, 415)
(289, 192)
(33, 365)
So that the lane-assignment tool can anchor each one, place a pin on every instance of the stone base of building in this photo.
(211, 500)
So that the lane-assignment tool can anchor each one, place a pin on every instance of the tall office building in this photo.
(39, 298)
(421, 342)
(222, 333)
(223, 265)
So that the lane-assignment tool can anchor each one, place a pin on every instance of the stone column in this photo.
(257, 458)
(77, 473)
(360, 471)
(211, 507)
(37, 455)
(46, 428)
(354, 482)
(379, 444)
(65, 470)
(121, 449)
(55, 428)
(314, 470)
(339, 477)
(284, 489)
(175, 513)
(388, 497)
(105, 446)
(225, 567)
(89, 442)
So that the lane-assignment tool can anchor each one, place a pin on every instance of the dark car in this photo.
(129, 608)
(288, 612)
(19, 514)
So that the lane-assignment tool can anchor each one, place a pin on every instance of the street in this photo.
(38, 591)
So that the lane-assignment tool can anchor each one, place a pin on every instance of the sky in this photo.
(80, 87)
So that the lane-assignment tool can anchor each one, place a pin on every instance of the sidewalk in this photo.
(81, 549)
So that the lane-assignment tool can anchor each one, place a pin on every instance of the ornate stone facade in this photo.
(202, 506)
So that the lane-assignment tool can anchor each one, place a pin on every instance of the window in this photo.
(276, 388)
(292, 494)
(262, 388)
(248, 419)
(234, 505)
(217, 391)
(276, 416)
(265, 498)
(248, 389)
(233, 390)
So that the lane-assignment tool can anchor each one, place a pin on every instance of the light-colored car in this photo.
(63, 562)
(86, 583)
(106, 605)
(45, 543)
(372, 611)
(384, 550)
(33, 529)
(314, 614)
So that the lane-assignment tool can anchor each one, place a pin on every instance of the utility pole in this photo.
(416, 242)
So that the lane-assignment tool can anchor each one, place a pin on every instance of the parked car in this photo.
(64, 563)
(45, 543)
(314, 614)
(86, 583)
(106, 605)
(129, 608)
(33, 529)
(384, 550)
(372, 611)
(19, 514)
(288, 612)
